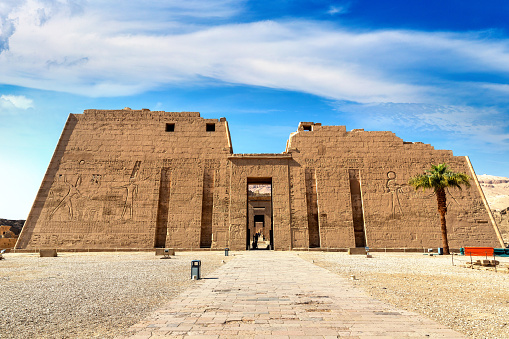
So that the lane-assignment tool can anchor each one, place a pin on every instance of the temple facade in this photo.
(141, 179)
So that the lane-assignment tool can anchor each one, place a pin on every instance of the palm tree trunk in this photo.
(442, 210)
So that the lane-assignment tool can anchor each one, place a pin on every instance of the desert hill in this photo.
(496, 191)
(16, 225)
(261, 190)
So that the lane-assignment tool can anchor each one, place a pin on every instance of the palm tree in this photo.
(438, 178)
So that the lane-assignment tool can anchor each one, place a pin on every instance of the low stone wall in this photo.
(7, 243)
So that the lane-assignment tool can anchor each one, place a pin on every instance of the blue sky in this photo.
(430, 71)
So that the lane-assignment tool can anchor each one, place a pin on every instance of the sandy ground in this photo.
(85, 295)
(470, 301)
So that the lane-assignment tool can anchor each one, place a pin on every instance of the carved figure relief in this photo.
(395, 189)
(321, 149)
(67, 200)
(131, 190)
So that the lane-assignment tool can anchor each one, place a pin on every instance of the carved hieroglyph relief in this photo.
(396, 190)
(96, 179)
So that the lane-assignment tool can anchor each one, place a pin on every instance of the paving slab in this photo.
(267, 294)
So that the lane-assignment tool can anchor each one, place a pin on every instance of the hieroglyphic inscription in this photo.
(136, 169)
(96, 179)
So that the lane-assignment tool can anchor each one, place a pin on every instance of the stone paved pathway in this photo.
(267, 294)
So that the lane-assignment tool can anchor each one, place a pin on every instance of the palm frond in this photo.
(439, 177)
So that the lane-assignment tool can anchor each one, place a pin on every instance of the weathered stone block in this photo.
(48, 253)
(165, 251)
(357, 250)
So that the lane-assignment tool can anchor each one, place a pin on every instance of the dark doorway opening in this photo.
(259, 223)
(259, 218)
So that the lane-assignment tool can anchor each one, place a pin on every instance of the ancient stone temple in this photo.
(124, 179)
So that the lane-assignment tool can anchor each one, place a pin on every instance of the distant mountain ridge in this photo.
(496, 190)
(16, 225)
(261, 190)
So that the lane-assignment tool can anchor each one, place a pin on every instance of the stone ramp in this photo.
(267, 294)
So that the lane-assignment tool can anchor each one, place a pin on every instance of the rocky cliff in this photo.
(496, 190)
(16, 225)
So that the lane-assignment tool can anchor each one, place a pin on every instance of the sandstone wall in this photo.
(118, 179)
(6, 243)
(496, 190)
(7, 237)
(393, 213)
(142, 179)
(502, 220)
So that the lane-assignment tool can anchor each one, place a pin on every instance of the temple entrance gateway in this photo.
(259, 223)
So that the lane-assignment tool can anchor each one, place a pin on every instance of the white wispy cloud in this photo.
(7, 23)
(338, 9)
(502, 88)
(487, 126)
(167, 9)
(87, 49)
(14, 103)
(117, 48)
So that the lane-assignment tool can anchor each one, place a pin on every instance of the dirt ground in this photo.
(473, 302)
(83, 295)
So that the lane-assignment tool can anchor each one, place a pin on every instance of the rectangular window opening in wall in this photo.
(211, 127)
(170, 127)
(307, 128)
